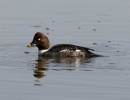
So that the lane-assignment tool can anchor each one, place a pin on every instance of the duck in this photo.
(60, 50)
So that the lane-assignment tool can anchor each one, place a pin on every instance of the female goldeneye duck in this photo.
(60, 50)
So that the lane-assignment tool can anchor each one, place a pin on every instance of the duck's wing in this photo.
(68, 50)
(70, 47)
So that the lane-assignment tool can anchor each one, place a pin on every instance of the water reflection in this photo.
(40, 67)
(70, 64)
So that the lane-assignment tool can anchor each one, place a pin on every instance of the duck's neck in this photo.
(40, 52)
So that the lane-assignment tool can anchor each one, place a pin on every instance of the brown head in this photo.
(40, 40)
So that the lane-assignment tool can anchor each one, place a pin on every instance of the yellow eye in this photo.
(39, 39)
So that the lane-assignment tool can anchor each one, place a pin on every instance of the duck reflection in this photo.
(70, 64)
(40, 67)
(44, 64)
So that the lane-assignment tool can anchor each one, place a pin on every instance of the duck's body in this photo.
(60, 50)
(67, 50)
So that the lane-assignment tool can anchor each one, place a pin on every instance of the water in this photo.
(100, 25)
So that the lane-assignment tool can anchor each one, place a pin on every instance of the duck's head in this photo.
(41, 41)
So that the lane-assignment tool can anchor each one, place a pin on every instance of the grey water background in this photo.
(102, 25)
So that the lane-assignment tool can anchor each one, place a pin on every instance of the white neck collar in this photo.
(40, 52)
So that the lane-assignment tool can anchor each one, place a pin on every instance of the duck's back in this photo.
(68, 50)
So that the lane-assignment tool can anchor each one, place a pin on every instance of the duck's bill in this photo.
(29, 45)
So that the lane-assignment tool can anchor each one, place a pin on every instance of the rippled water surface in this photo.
(101, 25)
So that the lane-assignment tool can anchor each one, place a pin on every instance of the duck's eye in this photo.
(39, 39)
